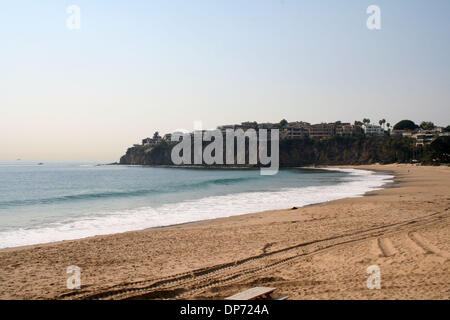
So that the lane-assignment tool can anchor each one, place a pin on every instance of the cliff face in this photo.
(302, 152)
(346, 151)
(141, 155)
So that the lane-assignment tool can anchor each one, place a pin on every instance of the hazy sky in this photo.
(139, 66)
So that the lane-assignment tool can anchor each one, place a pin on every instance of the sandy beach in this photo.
(315, 252)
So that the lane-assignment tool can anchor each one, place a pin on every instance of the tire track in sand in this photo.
(426, 246)
(386, 247)
(197, 281)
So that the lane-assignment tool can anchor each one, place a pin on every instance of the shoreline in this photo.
(323, 168)
(313, 252)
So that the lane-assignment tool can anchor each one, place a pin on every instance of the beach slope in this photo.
(315, 252)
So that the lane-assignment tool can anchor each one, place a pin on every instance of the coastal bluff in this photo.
(307, 151)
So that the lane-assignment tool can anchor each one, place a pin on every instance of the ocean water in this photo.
(64, 201)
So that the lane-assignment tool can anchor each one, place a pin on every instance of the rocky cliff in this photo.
(303, 152)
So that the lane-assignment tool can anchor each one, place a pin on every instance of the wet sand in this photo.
(315, 252)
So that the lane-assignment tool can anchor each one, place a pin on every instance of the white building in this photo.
(373, 130)
(423, 138)
(295, 130)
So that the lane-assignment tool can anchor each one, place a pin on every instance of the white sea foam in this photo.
(356, 184)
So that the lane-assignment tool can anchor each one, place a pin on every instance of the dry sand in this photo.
(316, 252)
